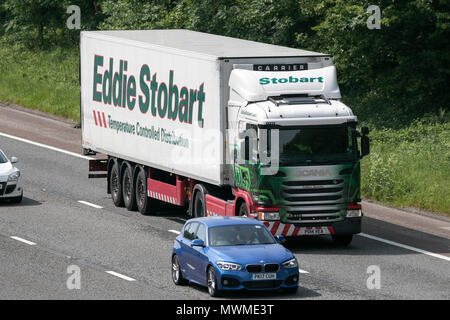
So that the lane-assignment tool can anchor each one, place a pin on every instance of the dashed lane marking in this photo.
(90, 204)
(23, 240)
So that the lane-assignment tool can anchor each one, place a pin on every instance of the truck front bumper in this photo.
(344, 227)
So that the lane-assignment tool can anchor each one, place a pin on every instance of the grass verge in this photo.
(41, 80)
(410, 167)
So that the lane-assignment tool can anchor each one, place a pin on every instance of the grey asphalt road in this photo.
(66, 232)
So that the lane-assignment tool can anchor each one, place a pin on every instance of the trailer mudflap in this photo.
(98, 168)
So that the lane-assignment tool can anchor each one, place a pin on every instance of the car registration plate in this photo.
(264, 276)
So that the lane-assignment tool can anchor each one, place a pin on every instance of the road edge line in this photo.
(404, 246)
(37, 144)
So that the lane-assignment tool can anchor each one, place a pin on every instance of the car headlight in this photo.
(290, 263)
(229, 266)
(14, 176)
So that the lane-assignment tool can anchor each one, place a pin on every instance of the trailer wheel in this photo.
(146, 206)
(128, 187)
(116, 185)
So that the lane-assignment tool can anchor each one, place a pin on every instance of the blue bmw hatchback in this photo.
(232, 253)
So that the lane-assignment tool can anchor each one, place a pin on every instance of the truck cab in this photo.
(294, 149)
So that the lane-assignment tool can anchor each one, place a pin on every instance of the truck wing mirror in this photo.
(365, 146)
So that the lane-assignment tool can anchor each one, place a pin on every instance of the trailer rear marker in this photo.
(45, 146)
(23, 240)
(404, 246)
(90, 204)
(113, 273)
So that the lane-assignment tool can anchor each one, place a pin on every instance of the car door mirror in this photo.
(14, 160)
(197, 243)
(280, 239)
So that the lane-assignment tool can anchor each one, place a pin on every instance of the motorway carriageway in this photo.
(67, 220)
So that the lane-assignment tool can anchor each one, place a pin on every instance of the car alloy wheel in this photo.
(177, 277)
(212, 283)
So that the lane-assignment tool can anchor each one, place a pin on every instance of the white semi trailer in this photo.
(224, 126)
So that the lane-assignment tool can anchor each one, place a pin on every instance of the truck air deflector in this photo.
(260, 85)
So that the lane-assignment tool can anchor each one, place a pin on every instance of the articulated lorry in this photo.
(223, 126)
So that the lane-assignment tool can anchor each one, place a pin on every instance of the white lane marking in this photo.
(404, 246)
(446, 228)
(90, 204)
(120, 276)
(302, 271)
(45, 146)
(23, 240)
(174, 231)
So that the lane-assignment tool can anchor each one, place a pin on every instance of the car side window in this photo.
(201, 232)
(190, 230)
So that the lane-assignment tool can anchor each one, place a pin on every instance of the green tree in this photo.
(32, 19)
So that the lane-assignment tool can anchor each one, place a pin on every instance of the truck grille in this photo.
(313, 200)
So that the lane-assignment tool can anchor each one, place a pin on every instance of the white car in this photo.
(10, 188)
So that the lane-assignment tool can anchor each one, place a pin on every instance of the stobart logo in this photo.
(166, 101)
(291, 79)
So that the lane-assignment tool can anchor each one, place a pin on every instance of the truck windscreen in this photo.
(317, 145)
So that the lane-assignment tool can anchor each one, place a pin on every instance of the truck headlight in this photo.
(290, 263)
(268, 216)
(229, 266)
(14, 176)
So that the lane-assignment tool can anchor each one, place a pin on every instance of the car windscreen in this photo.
(3, 158)
(235, 235)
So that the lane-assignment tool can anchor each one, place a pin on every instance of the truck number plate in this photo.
(314, 231)
(264, 276)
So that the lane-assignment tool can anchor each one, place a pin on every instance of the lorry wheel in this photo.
(243, 211)
(199, 206)
(129, 197)
(146, 206)
(116, 186)
(342, 240)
